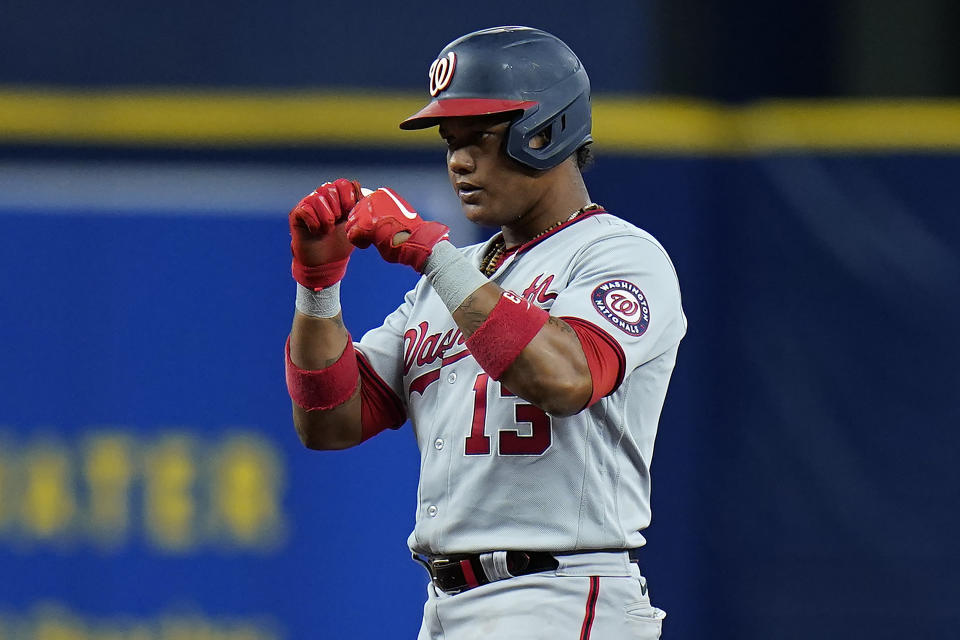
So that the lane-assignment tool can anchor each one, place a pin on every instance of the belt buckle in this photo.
(437, 565)
(431, 563)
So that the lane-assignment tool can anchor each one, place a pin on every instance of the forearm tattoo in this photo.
(472, 315)
(337, 320)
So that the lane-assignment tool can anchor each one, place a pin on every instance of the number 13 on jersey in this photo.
(510, 442)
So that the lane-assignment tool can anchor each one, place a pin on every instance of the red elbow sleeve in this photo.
(605, 357)
(380, 408)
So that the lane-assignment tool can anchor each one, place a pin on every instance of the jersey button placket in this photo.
(432, 511)
(438, 443)
(452, 377)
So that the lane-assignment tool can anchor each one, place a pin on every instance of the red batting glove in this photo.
(318, 239)
(383, 214)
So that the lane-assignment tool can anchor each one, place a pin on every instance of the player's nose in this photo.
(460, 162)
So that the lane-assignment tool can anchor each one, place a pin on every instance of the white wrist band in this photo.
(452, 275)
(319, 304)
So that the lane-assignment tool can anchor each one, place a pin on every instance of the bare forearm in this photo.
(551, 371)
(316, 343)
(475, 309)
(542, 364)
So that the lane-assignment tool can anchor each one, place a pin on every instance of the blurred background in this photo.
(800, 160)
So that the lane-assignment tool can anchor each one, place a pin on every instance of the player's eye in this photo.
(481, 137)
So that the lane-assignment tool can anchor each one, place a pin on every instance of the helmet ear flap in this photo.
(564, 133)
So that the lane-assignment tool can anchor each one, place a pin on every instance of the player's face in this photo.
(494, 189)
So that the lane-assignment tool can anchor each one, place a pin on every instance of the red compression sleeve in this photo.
(605, 357)
(509, 328)
(380, 408)
(323, 388)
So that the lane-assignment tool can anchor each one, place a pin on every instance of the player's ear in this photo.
(540, 140)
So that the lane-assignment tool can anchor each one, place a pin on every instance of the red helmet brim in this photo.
(452, 107)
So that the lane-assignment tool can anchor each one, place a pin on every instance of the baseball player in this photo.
(532, 367)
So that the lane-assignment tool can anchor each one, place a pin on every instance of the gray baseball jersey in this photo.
(497, 473)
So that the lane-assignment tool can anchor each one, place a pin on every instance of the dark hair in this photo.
(585, 157)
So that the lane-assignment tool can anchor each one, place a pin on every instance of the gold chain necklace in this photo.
(491, 261)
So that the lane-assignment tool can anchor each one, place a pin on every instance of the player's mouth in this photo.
(468, 192)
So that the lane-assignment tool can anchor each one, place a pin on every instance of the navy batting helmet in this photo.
(513, 69)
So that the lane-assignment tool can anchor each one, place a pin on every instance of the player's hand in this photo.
(318, 239)
(379, 217)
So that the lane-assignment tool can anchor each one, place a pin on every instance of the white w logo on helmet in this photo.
(441, 73)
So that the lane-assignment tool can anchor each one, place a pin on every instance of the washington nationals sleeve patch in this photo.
(623, 304)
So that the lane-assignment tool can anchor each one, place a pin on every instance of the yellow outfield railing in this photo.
(169, 117)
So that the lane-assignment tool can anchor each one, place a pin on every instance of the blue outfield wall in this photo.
(805, 477)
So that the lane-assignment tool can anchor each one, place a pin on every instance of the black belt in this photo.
(460, 572)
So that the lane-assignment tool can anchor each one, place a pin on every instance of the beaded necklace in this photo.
(491, 261)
